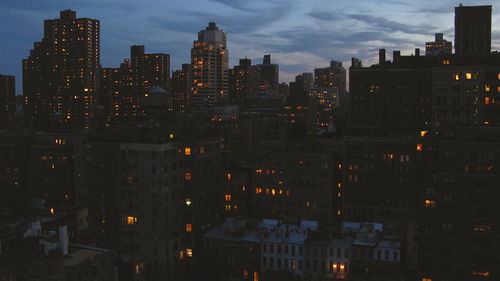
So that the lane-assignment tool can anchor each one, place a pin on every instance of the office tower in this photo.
(269, 73)
(7, 101)
(440, 46)
(180, 88)
(150, 70)
(244, 81)
(61, 74)
(333, 76)
(472, 29)
(209, 69)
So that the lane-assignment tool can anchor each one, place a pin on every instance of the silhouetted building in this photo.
(439, 47)
(269, 73)
(7, 101)
(61, 74)
(180, 88)
(472, 29)
(209, 69)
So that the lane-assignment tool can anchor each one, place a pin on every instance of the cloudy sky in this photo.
(299, 34)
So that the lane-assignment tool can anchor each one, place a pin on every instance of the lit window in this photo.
(446, 61)
(181, 255)
(171, 136)
(430, 203)
(456, 76)
(130, 220)
(228, 175)
(486, 100)
(498, 76)
(187, 151)
(187, 176)
(228, 208)
(498, 89)
(423, 133)
(255, 276)
(338, 212)
(468, 75)
(273, 192)
(419, 147)
(244, 188)
(52, 211)
(202, 150)
(486, 88)
(426, 279)
(189, 227)
(188, 202)
(228, 197)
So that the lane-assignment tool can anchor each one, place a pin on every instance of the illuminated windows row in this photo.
(272, 191)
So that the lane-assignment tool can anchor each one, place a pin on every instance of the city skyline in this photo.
(301, 38)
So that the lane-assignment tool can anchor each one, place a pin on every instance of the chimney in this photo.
(63, 239)
(395, 56)
(381, 56)
(417, 52)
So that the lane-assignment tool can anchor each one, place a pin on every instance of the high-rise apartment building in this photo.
(440, 46)
(61, 74)
(7, 100)
(244, 80)
(180, 88)
(333, 76)
(209, 68)
(150, 70)
(472, 29)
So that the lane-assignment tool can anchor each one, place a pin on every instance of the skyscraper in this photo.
(472, 29)
(7, 100)
(61, 74)
(439, 46)
(209, 74)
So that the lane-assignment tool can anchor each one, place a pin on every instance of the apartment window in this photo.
(271, 248)
(293, 251)
(395, 256)
(279, 249)
(264, 261)
(187, 151)
(285, 263)
(286, 249)
(271, 262)
(456, 76)
(228, 197)
(339, 252)
(187, 176)
(189, 227)
(430, 203)
(330, 251)
(189, 252)
(386, 255)
(264, 248)
(468, 75)
(420, 147)
(130, 220)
